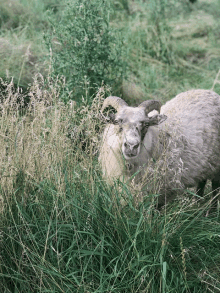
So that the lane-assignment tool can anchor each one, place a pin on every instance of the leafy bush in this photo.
(85, 48)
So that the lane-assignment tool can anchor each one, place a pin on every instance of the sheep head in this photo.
(132, 123)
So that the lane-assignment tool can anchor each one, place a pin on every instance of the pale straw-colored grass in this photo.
(38, 142)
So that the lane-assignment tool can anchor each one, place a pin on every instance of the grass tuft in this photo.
(63, 229)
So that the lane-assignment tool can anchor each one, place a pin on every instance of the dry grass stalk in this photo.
(39, 142)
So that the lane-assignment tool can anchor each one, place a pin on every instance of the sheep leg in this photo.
(201, 187)
(215, 189)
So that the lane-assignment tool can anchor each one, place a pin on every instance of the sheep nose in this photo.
(131, 146)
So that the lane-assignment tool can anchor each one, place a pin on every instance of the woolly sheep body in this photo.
(196, 115)
(190, 139)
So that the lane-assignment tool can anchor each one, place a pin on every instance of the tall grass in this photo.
(172, 46)
(22, 51)
(64, 230)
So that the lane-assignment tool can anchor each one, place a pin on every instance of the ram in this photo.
(182, 137)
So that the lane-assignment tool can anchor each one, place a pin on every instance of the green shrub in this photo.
(85, 48)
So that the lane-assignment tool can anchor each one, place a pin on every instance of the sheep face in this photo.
(133, 124)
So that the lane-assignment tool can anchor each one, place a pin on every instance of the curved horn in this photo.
(150, 105)
(115, 102)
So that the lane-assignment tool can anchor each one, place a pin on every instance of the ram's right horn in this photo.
(115, 102)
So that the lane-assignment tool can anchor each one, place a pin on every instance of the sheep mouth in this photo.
(130, 155)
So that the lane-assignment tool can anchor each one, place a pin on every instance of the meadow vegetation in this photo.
(62, 228)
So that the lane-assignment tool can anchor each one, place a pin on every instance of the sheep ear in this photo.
(157, 119)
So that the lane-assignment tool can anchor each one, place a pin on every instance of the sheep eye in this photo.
(144, 124)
